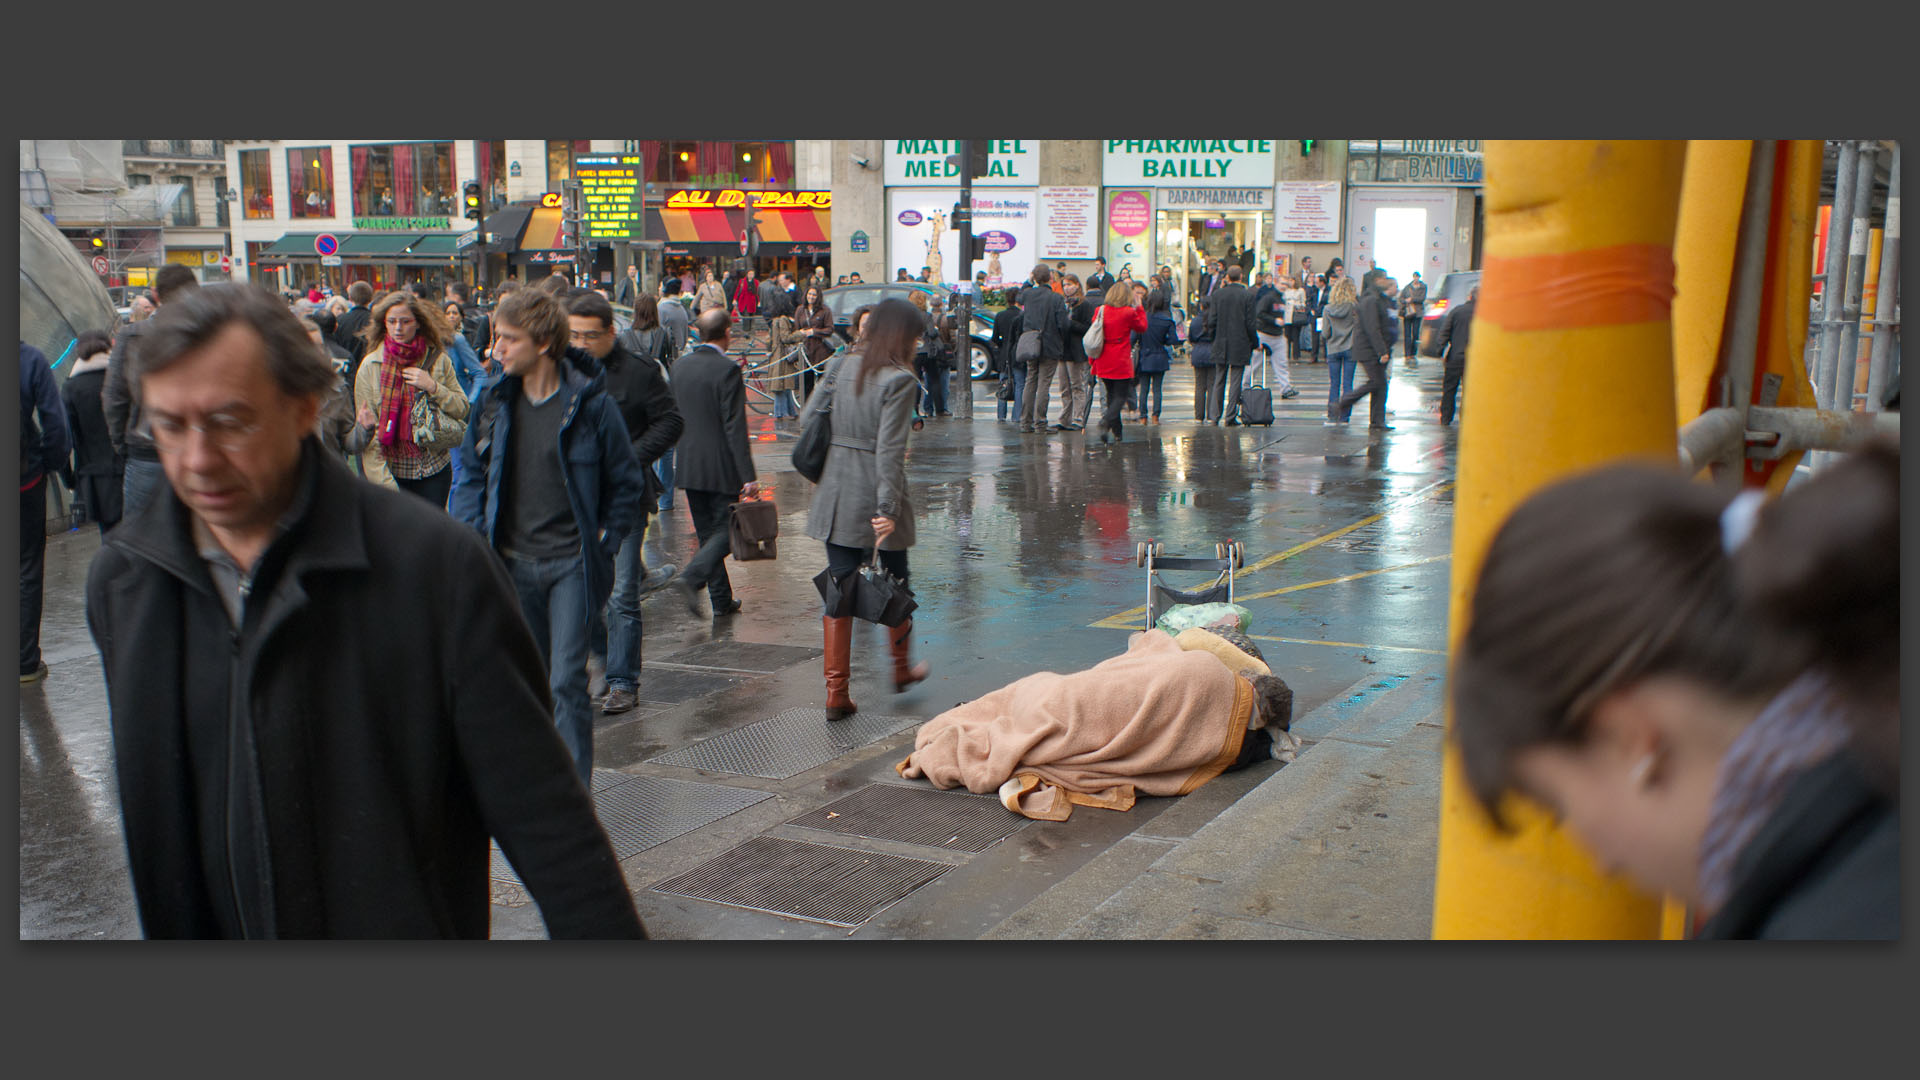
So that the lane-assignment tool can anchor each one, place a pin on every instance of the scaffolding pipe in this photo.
(1833, 278)
(1859, 244)
(1714, 435)
(1808, 429)
(1740, 343)
(1886, 307)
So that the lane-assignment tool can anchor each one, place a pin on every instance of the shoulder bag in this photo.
(1095, 339)
(810, 449)
(432, 428)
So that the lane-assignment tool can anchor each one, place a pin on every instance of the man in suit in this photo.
(1099, 281)
(1450, 342)
(1006, 331)
(1372, 340)
(629, 287)
(715, 462)
(1234, 334)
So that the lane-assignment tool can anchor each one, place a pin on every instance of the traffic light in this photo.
(472, 193)
(1306, 147)
(979, 249)
(754, 221)
(570, 205)
(977, 154)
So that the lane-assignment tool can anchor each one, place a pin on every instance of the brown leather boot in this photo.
(838, 634)
(905, 672)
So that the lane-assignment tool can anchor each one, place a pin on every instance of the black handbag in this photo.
(810, 449)
(869, 594)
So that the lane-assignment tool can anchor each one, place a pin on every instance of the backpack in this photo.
(477, 332)
(935, 343)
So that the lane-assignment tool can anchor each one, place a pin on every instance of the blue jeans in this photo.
(137, 485)
(784, 406)
(621, 627)
(1339, 377)
(553, 599)
(1150, 386)
(663, 468)
(1019, 384)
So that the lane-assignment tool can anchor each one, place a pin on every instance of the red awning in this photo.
(712, 225)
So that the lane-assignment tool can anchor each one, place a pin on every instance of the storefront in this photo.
(1206, 200)
(705, 225)
(1413, 205)
(382, 259)
(922, 180)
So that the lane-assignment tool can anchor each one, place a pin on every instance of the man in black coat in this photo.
(1450, 341)
(715, 461)
(1371, 340)
(1006, 330)
(1235, 331)
(1043, 311)
(638, 387)
(323, 700)
(142, 475)
(1076, 397)
(347, 332)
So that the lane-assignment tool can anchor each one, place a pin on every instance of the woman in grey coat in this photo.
(862, 498)
(1342, 307)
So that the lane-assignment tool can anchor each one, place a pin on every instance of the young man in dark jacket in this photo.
(548, 476)
(322, 702)
(639, 388)
(347, 332)
(1450, 342)
(715, 460)
(1371, 342)
(1042, 311)
(43, 449)
(1234, 335)
(1006, 331)
(99, 471)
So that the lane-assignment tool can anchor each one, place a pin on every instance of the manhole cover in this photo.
(785, 745)
(814, 882)
(949, 820)
(741, 656)
(646, 811)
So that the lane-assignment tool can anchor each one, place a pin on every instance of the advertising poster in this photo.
(920, 234)
(1307, 211)
(1068, 222)
(1129, 224)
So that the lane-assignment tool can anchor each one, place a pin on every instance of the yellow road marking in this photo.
(1113, 622)
(1435, 487)
(1348, 645)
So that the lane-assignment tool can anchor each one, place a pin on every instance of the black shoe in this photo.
(732, 607)
(1235, 422)
(1291, 393)
(1073, 427)
(1379, 427)
(1026, 429)
(619, 700)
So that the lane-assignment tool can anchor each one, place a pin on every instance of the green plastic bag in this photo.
(1205, 616)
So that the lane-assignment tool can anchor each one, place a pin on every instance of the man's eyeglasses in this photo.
(227, 431)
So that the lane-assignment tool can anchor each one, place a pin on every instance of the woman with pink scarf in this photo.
(405, 360)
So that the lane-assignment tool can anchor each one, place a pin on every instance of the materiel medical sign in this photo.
(610, 190)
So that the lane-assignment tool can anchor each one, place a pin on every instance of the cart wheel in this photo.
(1239, 555)
(1140, 554)
(1159, 550)
(1219, 550)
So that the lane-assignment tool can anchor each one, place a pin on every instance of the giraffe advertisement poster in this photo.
(920, 233)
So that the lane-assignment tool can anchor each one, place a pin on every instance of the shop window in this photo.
(403, 180)
(220, 201)
(256, 183)
(310, 181)
(684, 163)
(491, 164)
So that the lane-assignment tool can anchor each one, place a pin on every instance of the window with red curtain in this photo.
(364, 199)
(780, 163)
(403, 184)
(650, 161)
(310, 181)
(725, 167)
(325, 156)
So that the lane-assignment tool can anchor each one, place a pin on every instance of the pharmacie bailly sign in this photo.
(1187, 163)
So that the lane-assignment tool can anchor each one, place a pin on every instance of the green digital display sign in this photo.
(611, 197)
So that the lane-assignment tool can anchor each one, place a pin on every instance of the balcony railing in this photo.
(173, 148)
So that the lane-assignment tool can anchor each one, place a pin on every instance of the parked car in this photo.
(1454, 288)
(844, 300)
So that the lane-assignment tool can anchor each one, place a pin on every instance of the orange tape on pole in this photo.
(1610, 286)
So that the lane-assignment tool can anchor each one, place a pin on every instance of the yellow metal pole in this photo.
(1704, 245)
(1573, 366)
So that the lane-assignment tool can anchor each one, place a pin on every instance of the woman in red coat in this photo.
(1120, 319)
(746, 295)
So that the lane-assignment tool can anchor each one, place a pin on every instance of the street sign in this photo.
(326, 244)
(861, 241)
(329, 260)
(743, 242)
(467, 239)
(226, 264)
(99, 264)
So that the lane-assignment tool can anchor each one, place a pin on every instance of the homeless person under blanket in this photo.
(1158, 719)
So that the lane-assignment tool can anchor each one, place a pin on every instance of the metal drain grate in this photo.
(647, 811)
(785, 745)
(949, 820)
(814, 882)
(741, 656)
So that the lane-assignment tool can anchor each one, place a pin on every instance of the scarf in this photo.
(1800, 728)
(396, 396)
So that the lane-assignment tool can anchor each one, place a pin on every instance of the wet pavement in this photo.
(1026, 562)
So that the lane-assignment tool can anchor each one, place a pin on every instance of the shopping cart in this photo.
(1228, 556)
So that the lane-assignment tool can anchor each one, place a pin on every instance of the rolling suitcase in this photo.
(1256, 402)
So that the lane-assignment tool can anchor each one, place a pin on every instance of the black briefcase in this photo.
(753, 530)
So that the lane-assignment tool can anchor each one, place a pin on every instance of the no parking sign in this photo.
(326, 244)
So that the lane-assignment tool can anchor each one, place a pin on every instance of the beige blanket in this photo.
(1157, 719)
